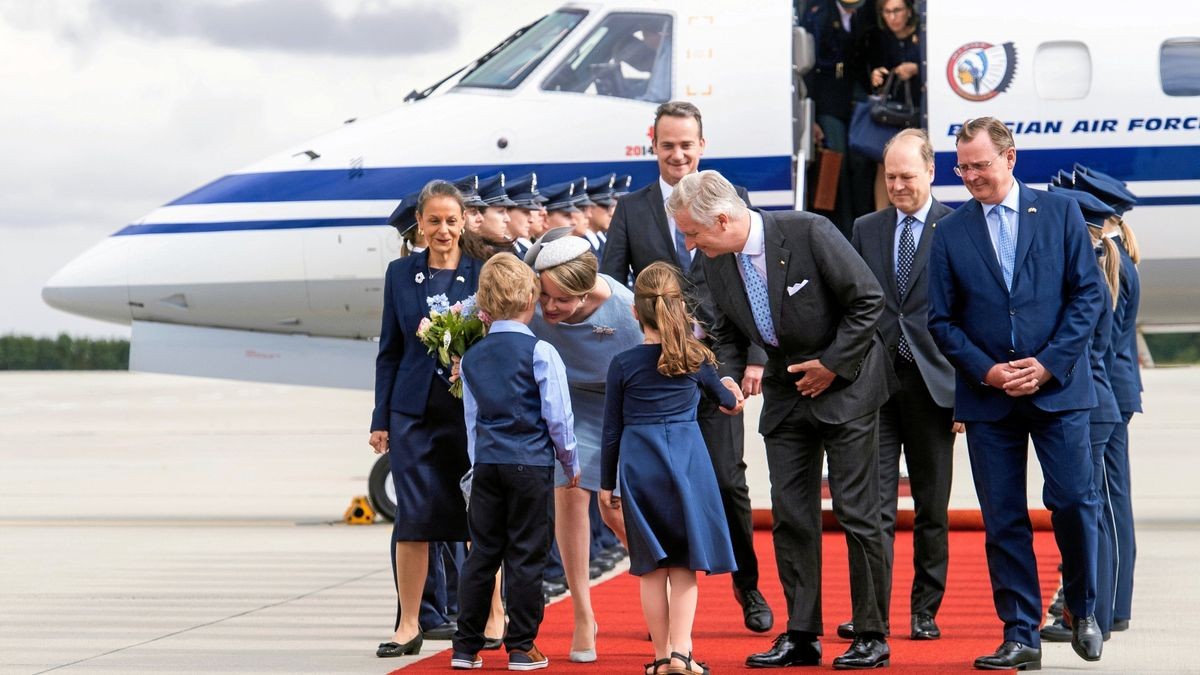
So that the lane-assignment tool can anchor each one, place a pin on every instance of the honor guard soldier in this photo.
(601, 192)
(524, 194)
(560, 205)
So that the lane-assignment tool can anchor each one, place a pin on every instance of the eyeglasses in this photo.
(977, 167)
(894, 12)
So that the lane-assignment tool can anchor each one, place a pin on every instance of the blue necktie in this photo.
(1006, 246)
(682, 252)
(760, 304)
(904, 261)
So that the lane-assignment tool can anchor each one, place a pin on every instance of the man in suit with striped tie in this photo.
(1014, 294)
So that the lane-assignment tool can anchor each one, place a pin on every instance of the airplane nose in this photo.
(95, 285)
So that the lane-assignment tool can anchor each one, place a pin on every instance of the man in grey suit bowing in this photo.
(642, 232)
(791, 283)
(895, 244)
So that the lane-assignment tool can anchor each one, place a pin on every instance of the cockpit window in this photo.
(627, 56)
(513, 64)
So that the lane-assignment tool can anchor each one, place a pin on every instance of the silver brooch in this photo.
(603, 330)
(420, 278)
(460, 280)
(1033, 209)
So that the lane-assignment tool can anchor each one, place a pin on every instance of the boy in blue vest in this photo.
(519, 420)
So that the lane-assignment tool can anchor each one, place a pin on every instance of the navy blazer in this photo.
(1051, 310)
(404, 367)
(1126, 376)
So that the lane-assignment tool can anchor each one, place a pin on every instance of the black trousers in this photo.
(509, 525)
(725, 437)
(912, 423)
(794, 452)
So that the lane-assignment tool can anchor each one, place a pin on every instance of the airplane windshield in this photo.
(512, 64)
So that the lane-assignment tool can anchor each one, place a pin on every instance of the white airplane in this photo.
(274, 272)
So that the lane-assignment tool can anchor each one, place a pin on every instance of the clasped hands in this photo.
(1018, 378)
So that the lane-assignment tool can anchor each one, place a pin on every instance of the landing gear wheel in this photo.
(380, 489)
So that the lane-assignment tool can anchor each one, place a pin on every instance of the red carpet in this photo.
(967, 618)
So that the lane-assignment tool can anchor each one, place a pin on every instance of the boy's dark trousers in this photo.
(509, 525)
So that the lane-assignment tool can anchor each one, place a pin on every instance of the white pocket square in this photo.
(794, 288)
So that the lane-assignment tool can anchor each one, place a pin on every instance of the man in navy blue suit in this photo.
(1014, 293)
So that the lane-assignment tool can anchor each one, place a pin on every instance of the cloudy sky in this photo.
(110, 108)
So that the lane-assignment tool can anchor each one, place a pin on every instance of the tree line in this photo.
(24, 352)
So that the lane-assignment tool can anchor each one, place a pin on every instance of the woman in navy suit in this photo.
(413, 404)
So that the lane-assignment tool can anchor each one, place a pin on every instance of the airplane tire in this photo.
(380, 491)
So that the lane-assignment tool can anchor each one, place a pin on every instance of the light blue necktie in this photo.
(682, 252)
(1004, 242)
(760, 304)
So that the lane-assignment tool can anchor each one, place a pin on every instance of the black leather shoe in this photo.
(756, 614)
(603, 562)
(1011, 655)
(864, 653)
(1056, 631)
(924, 627)
(1121, 625)
(552, 588)
(1086, 639)
(445, 631)
(1056, 607)
(389, 649)
(594, 572)
(787, 652)
(846, 631)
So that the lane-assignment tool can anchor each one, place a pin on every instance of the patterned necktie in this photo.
(760, 304)
(904, 261)
(1006, 246)
(682, 252)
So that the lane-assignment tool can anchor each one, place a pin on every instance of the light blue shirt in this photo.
(1012, 201)
(551, 377)
(918, 227)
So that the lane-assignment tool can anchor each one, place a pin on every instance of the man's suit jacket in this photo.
(1050, 312)
(825, 304)
(875, 240)
(640, 235)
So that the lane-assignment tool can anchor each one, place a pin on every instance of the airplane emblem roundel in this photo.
(979, 71)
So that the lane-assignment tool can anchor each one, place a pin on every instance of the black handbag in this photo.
(884, 110)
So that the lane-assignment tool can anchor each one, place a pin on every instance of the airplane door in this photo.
(344, 270)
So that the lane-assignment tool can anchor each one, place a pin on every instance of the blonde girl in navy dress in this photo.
(674, 519)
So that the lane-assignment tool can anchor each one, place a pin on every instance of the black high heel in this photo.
(390, 649)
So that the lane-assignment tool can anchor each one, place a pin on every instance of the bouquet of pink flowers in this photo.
(450, 330)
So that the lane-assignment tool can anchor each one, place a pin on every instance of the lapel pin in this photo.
(933, 225)
(460, 279)
(782, 262)
(1033, 209)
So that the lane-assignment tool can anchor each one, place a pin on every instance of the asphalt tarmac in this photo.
(154, 524)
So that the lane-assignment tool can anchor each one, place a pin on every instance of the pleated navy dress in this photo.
(653, 449)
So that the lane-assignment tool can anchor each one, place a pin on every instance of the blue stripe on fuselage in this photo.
(243, 225)
(754, 173)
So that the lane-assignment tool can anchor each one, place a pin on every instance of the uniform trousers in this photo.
(1116, 459)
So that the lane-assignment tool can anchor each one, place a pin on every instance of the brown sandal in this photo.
(687, 670)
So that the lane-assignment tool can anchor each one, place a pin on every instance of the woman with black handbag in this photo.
(893, 58)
